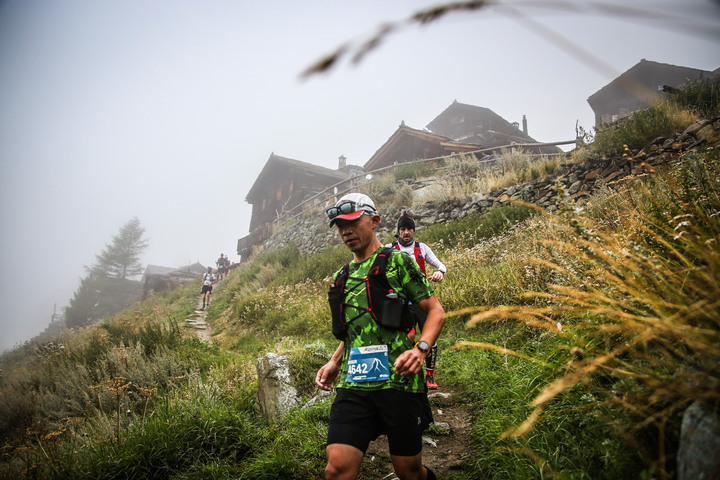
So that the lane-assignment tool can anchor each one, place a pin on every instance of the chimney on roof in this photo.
(524, 125)
(342, 162)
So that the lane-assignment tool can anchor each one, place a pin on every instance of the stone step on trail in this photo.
(202, 329)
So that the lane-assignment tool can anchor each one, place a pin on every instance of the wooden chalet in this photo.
(483, 127)
(638, 88)
(282, 185)
(408, 144)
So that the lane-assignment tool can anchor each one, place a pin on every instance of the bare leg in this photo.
(409, 468)
(343, 462)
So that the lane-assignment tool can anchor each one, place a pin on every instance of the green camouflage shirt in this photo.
(408, 281)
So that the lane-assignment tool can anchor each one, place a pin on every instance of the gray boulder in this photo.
(699, 451)
(276, 394)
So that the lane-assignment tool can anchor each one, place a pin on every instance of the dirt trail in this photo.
(445, 447)
(197, 322)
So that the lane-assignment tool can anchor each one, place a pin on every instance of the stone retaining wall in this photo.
(311, 233)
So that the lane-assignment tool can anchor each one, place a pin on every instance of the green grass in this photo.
(638, 131)
(701, 96)
(468, 231)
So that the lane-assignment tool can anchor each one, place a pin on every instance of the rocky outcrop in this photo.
(276, 394)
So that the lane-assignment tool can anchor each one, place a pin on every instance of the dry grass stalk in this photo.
(639, 297)
(490, 346)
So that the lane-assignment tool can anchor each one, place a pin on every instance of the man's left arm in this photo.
(435, 262)
(410, 362)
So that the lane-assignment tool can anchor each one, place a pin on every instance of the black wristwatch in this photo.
(423, 346)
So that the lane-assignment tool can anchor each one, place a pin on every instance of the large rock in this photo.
(709, 133)
(699, 451)
(276, 395)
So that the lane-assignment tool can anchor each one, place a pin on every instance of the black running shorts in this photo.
(358, 417)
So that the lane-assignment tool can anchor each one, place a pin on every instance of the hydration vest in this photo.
(384, 305)
(419, 258)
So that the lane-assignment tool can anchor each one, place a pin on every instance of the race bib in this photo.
(368, 364)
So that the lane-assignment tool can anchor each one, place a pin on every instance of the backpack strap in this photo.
(342, 276)
(377, 287)
(377, 271)
(419, 257)
(336, 298)
(379, 266)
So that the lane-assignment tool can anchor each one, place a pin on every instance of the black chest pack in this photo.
(384, 305)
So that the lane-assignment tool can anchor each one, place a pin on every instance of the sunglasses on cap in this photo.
(348, 207)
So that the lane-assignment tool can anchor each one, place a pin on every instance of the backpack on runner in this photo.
(385, 306)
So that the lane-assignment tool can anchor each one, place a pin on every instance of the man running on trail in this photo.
(378, 369)
(209, 280)
(422, 254)
(222, 263)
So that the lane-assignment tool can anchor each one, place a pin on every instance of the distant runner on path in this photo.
(209, 280)
(223, 264)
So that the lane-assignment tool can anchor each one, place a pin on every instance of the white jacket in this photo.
(426, 252)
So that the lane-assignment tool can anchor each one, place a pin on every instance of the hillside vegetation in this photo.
(575, 338)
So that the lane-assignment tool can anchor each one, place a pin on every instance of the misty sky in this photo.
(168, 110)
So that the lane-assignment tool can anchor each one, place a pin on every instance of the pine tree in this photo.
(108, 287)
(81, 310)
(121, 258)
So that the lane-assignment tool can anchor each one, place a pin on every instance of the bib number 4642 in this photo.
(368, 364)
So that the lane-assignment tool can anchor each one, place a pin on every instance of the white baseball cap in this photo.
(351, 207)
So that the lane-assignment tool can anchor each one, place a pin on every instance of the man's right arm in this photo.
(326, 376)
(434, 321)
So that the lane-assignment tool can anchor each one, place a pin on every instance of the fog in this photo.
(168, 110)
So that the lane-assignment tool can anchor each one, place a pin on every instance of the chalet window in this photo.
(278, 194)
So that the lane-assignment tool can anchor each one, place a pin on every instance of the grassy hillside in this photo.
(575, 340)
